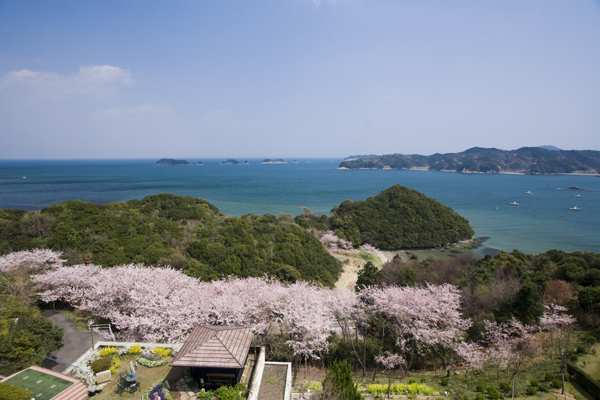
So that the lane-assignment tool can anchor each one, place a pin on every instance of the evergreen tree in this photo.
(338, 383)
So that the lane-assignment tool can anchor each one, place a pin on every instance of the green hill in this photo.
(184, 232)
(399, 218)
(526, 160)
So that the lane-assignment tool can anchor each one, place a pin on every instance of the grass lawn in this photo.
(147, 377)
(43, 386)
(590, 363)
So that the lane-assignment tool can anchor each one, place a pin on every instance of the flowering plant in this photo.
(158, 388)
(152, 362)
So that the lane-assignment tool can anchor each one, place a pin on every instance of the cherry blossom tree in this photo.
(512, 346)
(390, 362)
(473, 355)
(558, 325)
(425, 319)
(333, 242)
(367, 248)
(37, 258)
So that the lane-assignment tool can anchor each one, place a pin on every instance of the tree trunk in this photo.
(513, 391)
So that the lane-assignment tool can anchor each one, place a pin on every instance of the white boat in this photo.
(528, 192)
(575, 209)
(578, 196)
(514, 203)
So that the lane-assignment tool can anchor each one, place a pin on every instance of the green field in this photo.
(43, 386)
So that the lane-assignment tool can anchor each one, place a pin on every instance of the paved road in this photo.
(76, 342)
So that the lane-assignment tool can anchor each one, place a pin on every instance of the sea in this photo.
(541, 221)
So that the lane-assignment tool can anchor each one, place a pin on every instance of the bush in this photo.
(412, 380)
(531, 391)
(338, 382)
(101, 364)
(549, 376)
(480, 388)
(12, 392)
(135, 349)
(445, 381)
(108, 351)
(227, 393)
(480, 396)
(162, 351)
(534, 383)
(115, 368)
(557, 383)
(493, 393)
(543, 388)
(504, 386)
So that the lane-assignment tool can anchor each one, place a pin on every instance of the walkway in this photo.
(75, 342)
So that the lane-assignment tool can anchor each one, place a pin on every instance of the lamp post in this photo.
(90, 323)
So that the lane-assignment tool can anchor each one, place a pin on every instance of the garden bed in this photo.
(272, 385)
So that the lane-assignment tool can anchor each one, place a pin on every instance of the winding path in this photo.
(75, 342)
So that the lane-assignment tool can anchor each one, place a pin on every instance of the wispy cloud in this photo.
(97, 79)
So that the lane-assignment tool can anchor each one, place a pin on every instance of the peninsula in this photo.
(526, 160)
(171, 161)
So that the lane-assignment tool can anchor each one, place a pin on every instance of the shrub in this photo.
(162, 351)
(422, 379)
(480, 396)
(493, 393)
(445, 381)
(241, 387)
(531, 391)
(227, 393)
(549, 376)
(462, 397)
(12, 392)
(543, 388)
(101, 364)
(338, 382)
(557, 383)
(412, 380)
(107, 351)
(160, 388)
(504, 386)
(479, 388)
(115, 368)
(135, 349)
(534, 383)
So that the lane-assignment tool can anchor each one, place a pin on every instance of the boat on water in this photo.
(528, 192)
(577, 195)
(514, 203)
(575, 209)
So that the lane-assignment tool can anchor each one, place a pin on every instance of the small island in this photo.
(230, 162)
(170, 161)
(294, 162)
(269, 161)
(199, 163)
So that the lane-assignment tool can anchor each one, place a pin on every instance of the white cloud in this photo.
(146, 109)
(97, 80)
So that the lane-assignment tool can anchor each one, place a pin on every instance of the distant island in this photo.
(171, 161)
(199, 163)
(269, 161)
(526, 160)
(294, 162)
(230, 162)
(350, 158)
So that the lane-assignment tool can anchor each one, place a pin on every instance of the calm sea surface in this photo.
(541, 222)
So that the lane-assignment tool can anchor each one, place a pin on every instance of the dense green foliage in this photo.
(12, 392)
(530, 160)
(101, 364)
(183, 232)
(399, 218)
(171, 161)
(338, 383)
(24, 331)
(584, 379)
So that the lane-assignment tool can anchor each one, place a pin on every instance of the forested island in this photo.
(230, 162)
(526, 160)
(171, 161)
(269, 161)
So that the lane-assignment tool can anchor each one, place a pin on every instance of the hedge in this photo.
(585, 380)
(12, 392)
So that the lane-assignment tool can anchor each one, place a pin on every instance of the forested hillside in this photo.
(183, 232)
(526, 160)
(399, 218)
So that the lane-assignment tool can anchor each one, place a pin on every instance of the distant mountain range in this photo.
(526, 160)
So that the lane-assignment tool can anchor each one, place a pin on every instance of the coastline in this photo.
(426, 169)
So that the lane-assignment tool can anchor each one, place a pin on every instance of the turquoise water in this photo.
(541, 222)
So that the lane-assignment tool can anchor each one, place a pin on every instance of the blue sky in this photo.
(295, 78)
